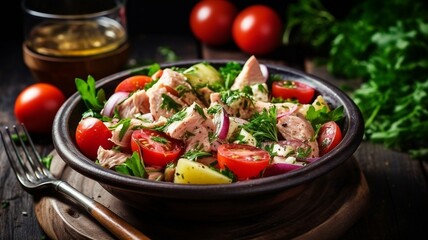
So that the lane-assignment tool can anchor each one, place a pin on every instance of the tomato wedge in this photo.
(157, 148)
(293, 90)
(133, 83)
(91, 133)
(244, 161)
(329, 136)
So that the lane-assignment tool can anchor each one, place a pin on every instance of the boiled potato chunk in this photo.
(191, 172)
(319, 103)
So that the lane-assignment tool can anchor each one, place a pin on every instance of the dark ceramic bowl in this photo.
(209, 202)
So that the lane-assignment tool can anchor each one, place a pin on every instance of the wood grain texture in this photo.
(329, 207)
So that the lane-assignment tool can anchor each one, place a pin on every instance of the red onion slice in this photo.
(289, 112)
(280, 168)
(222, 120)
(265, 71)
(111, 103)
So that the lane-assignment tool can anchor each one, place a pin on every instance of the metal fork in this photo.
(32, 175)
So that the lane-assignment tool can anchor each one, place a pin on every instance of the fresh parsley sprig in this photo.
(263, 125)
(132, 166)
(93, 99)
(318, 117)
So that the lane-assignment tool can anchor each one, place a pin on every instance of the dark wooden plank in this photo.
(17, 218)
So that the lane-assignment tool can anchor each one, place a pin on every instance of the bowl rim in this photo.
(352, 138)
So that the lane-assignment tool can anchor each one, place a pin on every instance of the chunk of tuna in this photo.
(111, 158)
(296, 127)
(194, 128)
(241, 108)
(250, 74)
(137, 103)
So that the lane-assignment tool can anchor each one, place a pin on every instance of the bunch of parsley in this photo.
(385, 44)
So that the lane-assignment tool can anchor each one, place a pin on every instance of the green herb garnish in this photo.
(93, 99)
(263, 125)
(132, 166)
(169, 104)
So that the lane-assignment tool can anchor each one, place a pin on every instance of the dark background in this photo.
(144, 17)
(152, 17)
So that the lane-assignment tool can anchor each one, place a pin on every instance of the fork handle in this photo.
(111, 221)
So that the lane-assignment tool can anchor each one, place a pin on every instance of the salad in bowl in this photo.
(206, 124)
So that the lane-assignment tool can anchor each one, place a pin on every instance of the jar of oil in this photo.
(77, 38)
(69, 39)
(74, 28)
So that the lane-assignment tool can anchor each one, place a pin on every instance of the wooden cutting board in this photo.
(325, 211)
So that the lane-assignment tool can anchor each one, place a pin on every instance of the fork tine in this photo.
(9, 146)
(113, 222)
(31, 158)
(36, 164)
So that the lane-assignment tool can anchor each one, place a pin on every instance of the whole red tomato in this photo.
(37, 105)
(257, 30)
(91, 133)
(211, 21)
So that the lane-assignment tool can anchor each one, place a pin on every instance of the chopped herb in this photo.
(261, 88)
(214, 109)
(22, 136)
(229, 72)
(159, 139)
(195, 154)
(230, 96)
(323, 115)
(270, 149)
(169, 104)
(181, 90)
(226, 172)
(188, 134)
(46, 161)
(132, 166)
(179, 116)
(4, 204)
(200, 111)
(125, 123)
(263, 125)
(303, 152)
(150, 84)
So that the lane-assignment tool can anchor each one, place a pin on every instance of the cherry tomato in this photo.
(91, 133)
(133, 83)
(244, 161)
(329, 136)
(257, 30)
(157, 148)
(293, 90)
(37, 105)
(211, 21)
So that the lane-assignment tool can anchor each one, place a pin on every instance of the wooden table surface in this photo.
(398, 207)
